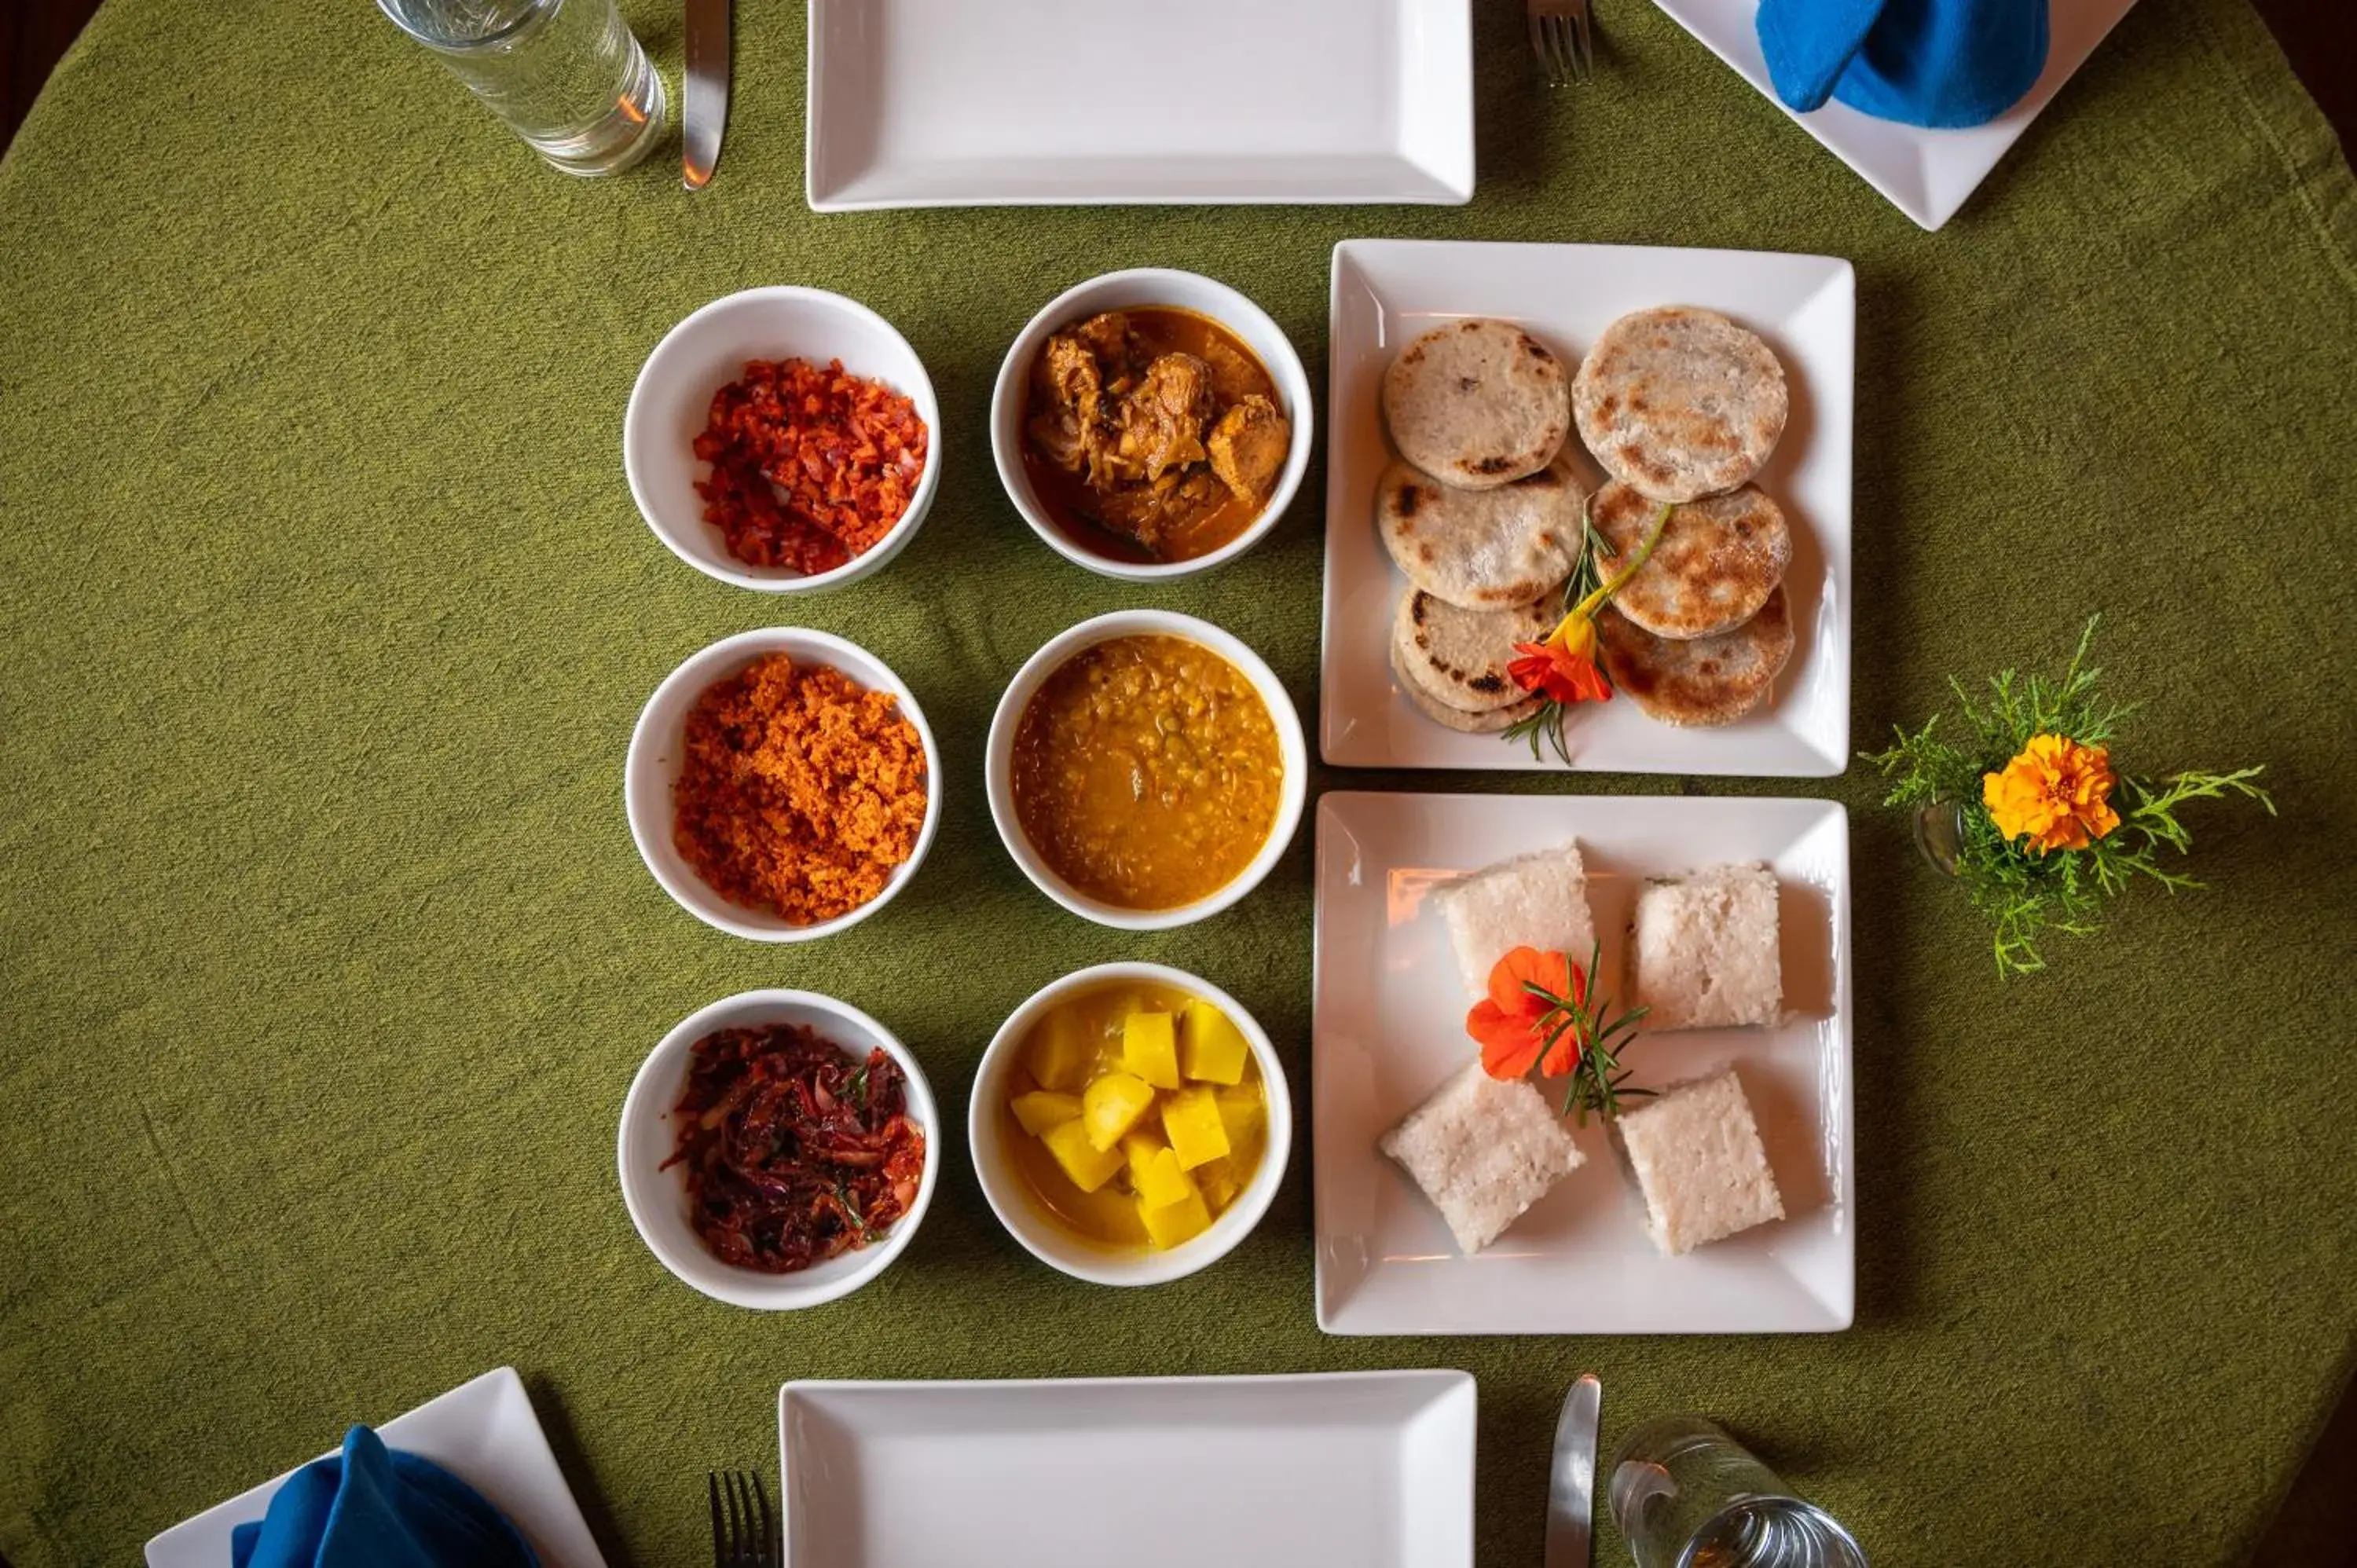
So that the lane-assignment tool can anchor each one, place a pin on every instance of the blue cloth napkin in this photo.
(1943, 63)
(372, 1508)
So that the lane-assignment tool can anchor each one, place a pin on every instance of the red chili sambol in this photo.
(810, 466)
(796, 1150)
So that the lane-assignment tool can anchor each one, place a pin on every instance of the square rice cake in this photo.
(1698, 1161)
(1484, 1150)
(1537, 900)
(1705, 951)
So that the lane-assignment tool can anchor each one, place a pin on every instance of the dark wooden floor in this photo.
(2317, 1527)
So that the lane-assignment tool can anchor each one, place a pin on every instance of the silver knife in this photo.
(705, 113)
(1571, 1482)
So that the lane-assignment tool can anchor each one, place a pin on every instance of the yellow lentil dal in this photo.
(1147, 772)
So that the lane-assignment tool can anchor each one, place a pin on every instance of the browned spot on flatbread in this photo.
(1496, 463)
(1411, 495)
(1468, 383)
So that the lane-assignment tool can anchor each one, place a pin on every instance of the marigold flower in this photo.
(1513, 1024)
(2056, 793)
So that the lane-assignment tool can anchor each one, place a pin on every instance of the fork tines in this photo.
(744, 1532)
(1561, 37)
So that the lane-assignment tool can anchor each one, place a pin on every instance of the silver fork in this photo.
(1562, 37)
(744, 1535)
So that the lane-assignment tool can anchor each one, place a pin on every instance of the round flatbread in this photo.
(1719, 560)
(1483, 550)
(1703, 681)
(1680, 402)
(1440, 713)
(1478, 403)
(1460, 656)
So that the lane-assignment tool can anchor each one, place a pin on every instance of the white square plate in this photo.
(1389, 1028)
(1374, 1470)
(1386, 292)
(1926, 174)
(988, 102)
(483, 1432)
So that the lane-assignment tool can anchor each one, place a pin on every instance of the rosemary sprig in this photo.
(1597, 1080)
(1583, 592)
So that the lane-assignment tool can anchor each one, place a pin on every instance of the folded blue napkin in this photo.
(372, 1508)
(1944, 63)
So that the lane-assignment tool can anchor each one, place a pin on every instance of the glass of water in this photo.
(566, 75)
(1685, 1494)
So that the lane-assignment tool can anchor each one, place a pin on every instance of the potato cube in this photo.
(1153, 1172)
(1062, 1047)
(1044, 1108)
(1243, 1113)
(1218, 1181)
(1089, 1166)
(1190, 1119)
(1175, 1224)
(1212, 1049)
(1149, 1047)
(1111, 1105)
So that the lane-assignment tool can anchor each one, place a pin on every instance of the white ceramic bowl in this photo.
(672, 398)
(1047, 1238)
(1116, 291)
(998, 775)
(657, 1198)
(657, 752)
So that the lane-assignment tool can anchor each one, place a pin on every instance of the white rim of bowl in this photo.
(723, 656)
(1017, 365)
(1131, 1268)
(998, 766)
(920, 500)
(760, 1289)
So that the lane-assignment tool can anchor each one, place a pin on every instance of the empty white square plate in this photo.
(1925, 174)
(1389, 1028)
(975, 102)
(1374, 1469)
(1386, 292)
(482, 1432)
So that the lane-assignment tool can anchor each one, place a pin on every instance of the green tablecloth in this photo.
(326, 959)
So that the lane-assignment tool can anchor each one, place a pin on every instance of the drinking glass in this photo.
(1685, 1494)
(566, 75)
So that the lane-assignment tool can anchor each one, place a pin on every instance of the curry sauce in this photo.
(1152, 433)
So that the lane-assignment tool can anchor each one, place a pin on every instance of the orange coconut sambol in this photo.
(811, 465)
(801, 791)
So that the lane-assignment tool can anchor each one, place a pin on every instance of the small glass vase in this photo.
(1940, 834)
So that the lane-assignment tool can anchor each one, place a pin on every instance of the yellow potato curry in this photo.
(1137, 1116)
(1152, 433)
(1146, 772)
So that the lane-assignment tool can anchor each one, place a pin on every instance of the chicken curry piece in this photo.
(1152, 433)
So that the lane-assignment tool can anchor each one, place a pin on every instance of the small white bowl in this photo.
(657, 1198)
(998, 776)
(657, 752)
(1047, 1238)
(672, 398)
(1124, 290)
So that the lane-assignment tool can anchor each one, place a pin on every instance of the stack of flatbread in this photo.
(1482, 513)
(1680, 405)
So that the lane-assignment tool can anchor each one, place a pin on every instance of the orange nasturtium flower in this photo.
(2057, 792)
(1512, 1025)
(1563, 668)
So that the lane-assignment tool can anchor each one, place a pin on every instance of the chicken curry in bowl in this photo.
(1152, 433)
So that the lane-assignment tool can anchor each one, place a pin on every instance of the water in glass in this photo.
(566, 75)
(1685, 1494)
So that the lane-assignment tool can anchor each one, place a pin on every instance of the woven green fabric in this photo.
(326, 959)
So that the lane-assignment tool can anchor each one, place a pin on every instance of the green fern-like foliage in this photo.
(2026, 895)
